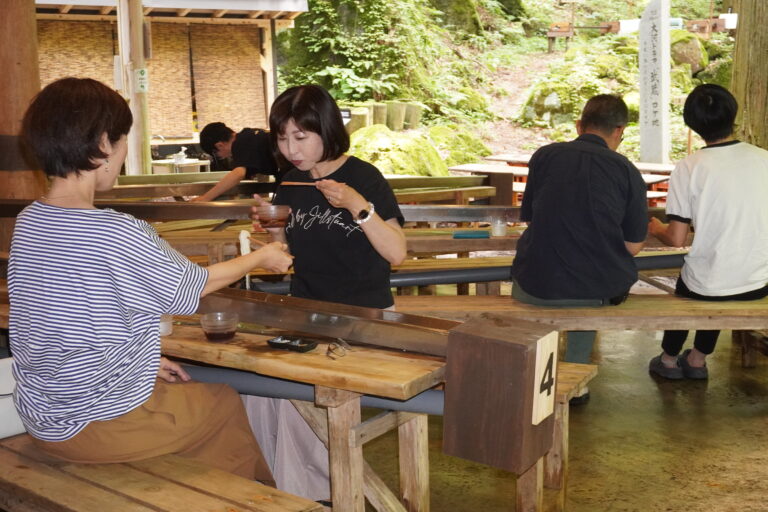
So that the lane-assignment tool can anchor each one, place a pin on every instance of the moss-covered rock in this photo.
(717, 72)
(686, 48)
(456, 145)
(718, 46)
(680, 77)
(461, 14)
(409, 153)
(470, 100)
(560, 97)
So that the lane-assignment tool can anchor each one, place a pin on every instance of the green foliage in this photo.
(539, 14)
(589, 68)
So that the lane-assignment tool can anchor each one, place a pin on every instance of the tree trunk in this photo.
(19, 82)
(750, 71)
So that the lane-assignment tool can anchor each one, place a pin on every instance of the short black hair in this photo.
(710, 110)
(212, 134)
(313, 110)
(604, 113)
(64, 124)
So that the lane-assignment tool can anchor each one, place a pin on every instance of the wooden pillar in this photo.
(130, 27)
(268, 68)
(19, 82)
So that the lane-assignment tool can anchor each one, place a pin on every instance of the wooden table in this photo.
(338, 385)
(509, 181)
(522, 160)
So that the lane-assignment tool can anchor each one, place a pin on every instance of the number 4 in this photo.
(548, 379)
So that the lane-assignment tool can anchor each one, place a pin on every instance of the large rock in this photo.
(717, 72)
(686, 48)
(457, 146)
(409, 153)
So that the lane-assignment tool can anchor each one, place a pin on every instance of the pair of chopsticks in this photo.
(297, 183)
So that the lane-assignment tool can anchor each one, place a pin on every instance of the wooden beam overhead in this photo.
(106, 10)
(182, 12)
(220, 13)
(255, 14)
(259, 22)
(64, 9)
(147, 10)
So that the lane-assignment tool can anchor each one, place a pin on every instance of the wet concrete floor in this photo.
(640, 444)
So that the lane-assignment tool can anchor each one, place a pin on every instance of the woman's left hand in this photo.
(341, 195)
(170, 371)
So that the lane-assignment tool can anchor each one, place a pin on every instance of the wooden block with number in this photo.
(500, 392)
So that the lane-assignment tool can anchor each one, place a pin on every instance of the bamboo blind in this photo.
(227, 75)
(170, 92)
(82, 49)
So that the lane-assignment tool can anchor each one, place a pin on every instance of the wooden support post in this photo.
(556, 460)
(530, 491)
(414, 464)
(346, 459)
(19, 82)
(130, 18)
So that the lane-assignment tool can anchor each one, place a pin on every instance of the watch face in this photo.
(362, 215)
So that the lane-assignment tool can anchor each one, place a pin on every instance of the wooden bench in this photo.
(639, 312)
(752, 342)
(32, 481)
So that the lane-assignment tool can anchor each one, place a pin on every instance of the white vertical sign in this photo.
(654, 82)
(545, 377)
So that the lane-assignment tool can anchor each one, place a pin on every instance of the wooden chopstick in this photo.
(259, 242)
(300, 183)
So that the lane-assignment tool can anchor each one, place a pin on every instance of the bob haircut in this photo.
(64, 124)
(313, 110)
(710, 110)
(604, 113)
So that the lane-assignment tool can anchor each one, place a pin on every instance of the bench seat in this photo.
(639, 312)
(32, 481)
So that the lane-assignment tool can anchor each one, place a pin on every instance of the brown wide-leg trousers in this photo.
(202, 421)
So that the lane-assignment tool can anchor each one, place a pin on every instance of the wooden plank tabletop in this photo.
(522, 160)
(367, 370)
(481, 168)
(639, 312)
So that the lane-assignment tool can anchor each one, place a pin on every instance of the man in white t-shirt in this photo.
(720, 192)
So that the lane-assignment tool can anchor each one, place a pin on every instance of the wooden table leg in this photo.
(556, 459)
(376, 491)
(346, 459)
(530, 489)
(414, 464)
(504, 193)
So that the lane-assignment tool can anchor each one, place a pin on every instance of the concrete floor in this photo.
(640, 444)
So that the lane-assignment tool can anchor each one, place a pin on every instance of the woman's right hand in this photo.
(275, 257)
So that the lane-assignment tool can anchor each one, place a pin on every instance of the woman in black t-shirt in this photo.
(345, 226)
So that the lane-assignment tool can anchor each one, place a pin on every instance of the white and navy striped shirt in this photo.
(87, 288)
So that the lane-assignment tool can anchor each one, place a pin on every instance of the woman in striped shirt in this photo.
(87, 288)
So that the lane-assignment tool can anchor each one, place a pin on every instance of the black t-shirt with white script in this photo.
(333, 259)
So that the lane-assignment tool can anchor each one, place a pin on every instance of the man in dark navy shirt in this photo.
(251, 152)
(587, 216)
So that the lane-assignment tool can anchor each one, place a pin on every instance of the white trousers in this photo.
(297, 458)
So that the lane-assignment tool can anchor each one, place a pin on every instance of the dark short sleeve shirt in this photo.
(333, 259)
(252, 149)
(582, 202)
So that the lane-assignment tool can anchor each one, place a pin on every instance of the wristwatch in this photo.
(365, 215)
